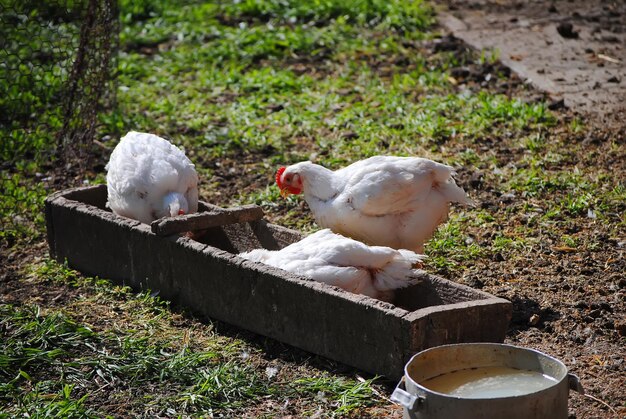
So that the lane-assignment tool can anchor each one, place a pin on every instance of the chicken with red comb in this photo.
(383, 200)
(288, 184)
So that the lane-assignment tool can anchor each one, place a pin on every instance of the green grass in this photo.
(221, 84)
(343, 395)
(245, 87)
(451, 246)
(21, 206)
(31, 345)
(53, 354)
(51, 364)
(36, 60)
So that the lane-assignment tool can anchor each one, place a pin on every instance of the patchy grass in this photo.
(129, 354)
(21, 210)
(343, 396)
(52, 354)
(450, 246)
(245, 87)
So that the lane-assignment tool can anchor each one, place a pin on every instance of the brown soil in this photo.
(568, 302)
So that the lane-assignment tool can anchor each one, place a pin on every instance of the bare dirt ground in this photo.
(574, 50)
(566, 303)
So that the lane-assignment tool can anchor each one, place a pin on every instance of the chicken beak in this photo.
(284, 192)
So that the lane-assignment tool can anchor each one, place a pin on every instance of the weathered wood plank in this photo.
(215, 217)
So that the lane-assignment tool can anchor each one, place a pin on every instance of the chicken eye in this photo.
(288, 178)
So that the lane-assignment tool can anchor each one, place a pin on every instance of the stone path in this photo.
(573, 50)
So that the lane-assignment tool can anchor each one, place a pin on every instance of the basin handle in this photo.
(574, 383)
(406, 399)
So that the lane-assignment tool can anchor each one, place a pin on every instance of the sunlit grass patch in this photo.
(451, 245)
(535, 143)
(361, 91)
(31, 346)
(395, 14)
(569, 241)
(484, 110)
(53, 353)
(536, 179)
(572, 193)
(507, 243)
(45, 399)
(342, 395)
(137, 352)
(49, 270)
(227, 385)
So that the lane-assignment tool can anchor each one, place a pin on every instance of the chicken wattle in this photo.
(149, 178)
(383, 200)
(324, 256)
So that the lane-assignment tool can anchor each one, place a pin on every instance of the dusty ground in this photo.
(574, 50)
(568, 301)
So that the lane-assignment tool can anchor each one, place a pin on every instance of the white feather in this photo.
(147, 177)
(349, 264)
(384, 200)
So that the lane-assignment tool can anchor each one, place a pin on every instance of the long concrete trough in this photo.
(207, 277)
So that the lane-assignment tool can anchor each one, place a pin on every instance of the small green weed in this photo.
(344, 395)
(451, 246)
(21, 209)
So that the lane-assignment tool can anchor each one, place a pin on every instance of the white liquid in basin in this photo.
(489, 382)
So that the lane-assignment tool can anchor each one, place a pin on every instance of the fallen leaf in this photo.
(564, 249)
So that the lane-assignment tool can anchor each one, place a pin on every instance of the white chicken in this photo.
(383, 200)
(149, 178)
(327, 257)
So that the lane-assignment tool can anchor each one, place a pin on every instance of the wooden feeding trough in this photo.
(206, 276)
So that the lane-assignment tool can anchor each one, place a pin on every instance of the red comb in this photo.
(279, 173)
(181, 212)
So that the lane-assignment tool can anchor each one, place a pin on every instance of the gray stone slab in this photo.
(205, 275)
(587, 71)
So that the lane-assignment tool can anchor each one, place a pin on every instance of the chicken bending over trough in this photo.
(149, 178)
(327, 257)
(384, 200)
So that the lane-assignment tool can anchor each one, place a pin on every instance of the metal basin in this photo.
(422, 402)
